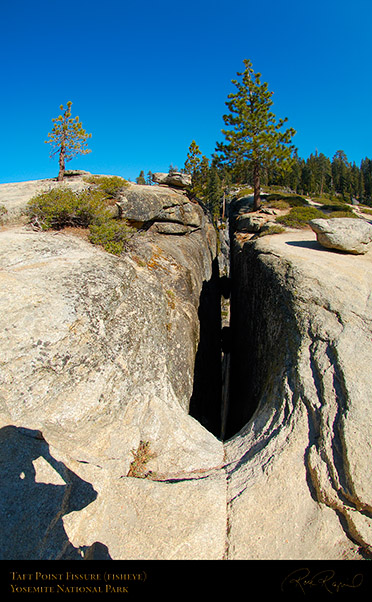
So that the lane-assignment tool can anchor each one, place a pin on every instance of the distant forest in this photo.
(316, 176)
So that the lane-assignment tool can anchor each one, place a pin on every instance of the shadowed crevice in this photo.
(205, 402)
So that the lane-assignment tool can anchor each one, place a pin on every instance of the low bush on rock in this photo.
(293, 200)
(347, 213)
(3, 212)
(111, 235)
(270, 229)
(141, 456)
(244, 192)
(299, 217)
(61, 207)
(365, 210)
(278, 204)
(109, 185)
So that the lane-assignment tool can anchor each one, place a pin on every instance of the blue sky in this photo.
(146, 78)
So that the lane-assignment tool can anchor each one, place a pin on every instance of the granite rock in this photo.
(350, 235)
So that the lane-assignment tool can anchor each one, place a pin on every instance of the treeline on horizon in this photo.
(318, 176)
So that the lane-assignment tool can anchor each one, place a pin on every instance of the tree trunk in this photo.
(62, 160)
(256, 187)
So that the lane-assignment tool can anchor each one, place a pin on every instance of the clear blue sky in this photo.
(146, 77)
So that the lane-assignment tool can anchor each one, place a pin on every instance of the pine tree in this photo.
(68, 138)
(293, 179)
(366, 171)
(193, 159)
(214, 193)
(141, 178)
(255, 136)
(200, 178)
(149, 178)
(341, 174)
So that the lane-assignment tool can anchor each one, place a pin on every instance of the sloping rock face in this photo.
(344, 234)
(97, 355)
(300, 467)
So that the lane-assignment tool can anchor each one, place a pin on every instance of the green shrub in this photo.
(347, 213)
(293, 200)
(299, 217)
(244, 192)
(336, 207)
(271, 229)
(111, 235)
(61, 207)
(109, 185)
(3, 212)
(278, 204)
(331, 202)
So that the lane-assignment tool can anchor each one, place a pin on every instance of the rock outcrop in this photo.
(98, 354)
(170, 211)
(299, 469)
(344, 234)
(176, 179)
(102, 353)
(250, 223)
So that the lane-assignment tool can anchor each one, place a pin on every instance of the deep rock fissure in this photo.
(245, 318)
(224, 394)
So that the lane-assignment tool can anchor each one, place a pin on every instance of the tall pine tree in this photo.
(255, 136)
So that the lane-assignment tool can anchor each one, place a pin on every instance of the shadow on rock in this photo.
(306, 244)
(32, 510)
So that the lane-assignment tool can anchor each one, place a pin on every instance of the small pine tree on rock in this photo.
(141, 178)
(67, 138)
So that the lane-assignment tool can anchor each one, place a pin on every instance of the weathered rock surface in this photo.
(158, 204)
(300, 470)
(250, 223)
(177, 179)
(98, 354)
(344, 234)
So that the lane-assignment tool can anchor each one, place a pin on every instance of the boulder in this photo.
(250, 223)
(188, 214)
(176, 179)
(144, 203)
(350, 235)
(156, 203)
